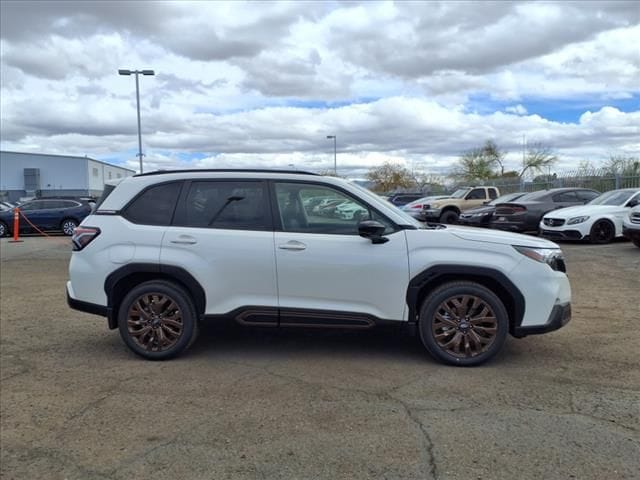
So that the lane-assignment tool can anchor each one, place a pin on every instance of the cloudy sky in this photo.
(262, 84)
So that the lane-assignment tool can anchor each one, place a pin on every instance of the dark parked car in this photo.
(47, 214)
(524, 215)
(481, 216)
(400, 199)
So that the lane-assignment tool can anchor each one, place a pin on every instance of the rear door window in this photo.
(239, 205)
(565, 197)
(155, 205)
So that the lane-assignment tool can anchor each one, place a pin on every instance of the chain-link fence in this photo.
(601, 180)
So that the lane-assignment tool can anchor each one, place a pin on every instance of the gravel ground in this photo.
(245, 404)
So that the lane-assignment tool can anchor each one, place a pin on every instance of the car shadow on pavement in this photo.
(220, 339)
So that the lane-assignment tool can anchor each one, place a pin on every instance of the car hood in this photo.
(582, 210)
(499, 236)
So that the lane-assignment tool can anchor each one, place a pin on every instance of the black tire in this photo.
(471, 329)
(67, 225)
(636, 241)
(603, 231)
(4, 230)
(128, 325)
(449, 217)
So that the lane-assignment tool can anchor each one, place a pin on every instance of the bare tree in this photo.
(389, 177)
(537, 158)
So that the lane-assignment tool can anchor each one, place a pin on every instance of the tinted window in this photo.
(586, 195)
(477, 194)
(318, 209)
(232, 205)
(155, 205)
(565, 197)
(493, 194)
(35, 205)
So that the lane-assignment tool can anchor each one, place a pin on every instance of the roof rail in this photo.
(232, 170)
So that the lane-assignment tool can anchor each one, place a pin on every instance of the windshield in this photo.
(460, 193)
(616, 197)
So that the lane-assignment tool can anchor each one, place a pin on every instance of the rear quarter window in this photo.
(155, 205)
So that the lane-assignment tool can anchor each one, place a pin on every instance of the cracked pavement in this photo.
(293, 404)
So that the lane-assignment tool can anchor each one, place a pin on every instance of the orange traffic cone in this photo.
(16, 226)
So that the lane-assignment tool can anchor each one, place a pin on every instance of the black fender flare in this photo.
(439, 273)
(166, 272)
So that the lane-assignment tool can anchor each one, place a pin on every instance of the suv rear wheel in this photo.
(157, 320)
(463, 323)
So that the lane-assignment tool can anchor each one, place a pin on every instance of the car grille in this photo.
(553, 222)
(635, 218)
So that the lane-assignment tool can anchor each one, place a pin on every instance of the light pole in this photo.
(335, 155)
(136, 73)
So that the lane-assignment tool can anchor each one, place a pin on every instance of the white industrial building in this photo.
(27, 175)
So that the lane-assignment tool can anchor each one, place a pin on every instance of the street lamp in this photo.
(136, 73)
(335, 155)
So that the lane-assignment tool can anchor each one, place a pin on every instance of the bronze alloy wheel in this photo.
(154, 322)
(464, 326)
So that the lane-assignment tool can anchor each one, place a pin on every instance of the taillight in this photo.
(83, 236)
(519, 209)
(416, 206)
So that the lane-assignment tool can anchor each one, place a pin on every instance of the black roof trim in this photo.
(222, 170)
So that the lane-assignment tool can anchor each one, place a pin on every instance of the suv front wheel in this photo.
(157, 320)
(463, 323)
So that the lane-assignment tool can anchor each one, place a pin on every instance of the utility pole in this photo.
(335, 155)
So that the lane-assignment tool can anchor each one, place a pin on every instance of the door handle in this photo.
(184, 240)
(292, 245)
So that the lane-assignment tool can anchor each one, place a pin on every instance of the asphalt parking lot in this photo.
(245, 404)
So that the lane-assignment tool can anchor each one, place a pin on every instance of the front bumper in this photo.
(559, 317)
(630, 233)
(562, 234)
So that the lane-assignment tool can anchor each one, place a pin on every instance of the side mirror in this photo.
(372, 230)
(633, 202)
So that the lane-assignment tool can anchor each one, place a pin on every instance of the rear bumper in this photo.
(558, 318)
(87, 307)
(509, 226)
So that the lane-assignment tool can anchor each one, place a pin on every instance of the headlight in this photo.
(551, 256)
(574, 220)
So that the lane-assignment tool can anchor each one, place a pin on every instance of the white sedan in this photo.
(599, 221)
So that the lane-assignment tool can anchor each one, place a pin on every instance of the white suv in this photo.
(165, 250)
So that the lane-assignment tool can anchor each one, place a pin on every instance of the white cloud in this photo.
(263, 84)
(517, 109)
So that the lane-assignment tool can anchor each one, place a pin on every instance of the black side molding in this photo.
(302, 317)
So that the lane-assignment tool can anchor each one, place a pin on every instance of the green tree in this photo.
(389, 177)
